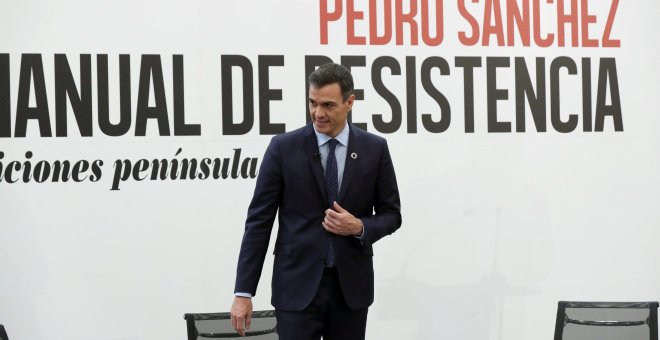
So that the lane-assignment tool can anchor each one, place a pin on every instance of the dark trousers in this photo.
(328, 315)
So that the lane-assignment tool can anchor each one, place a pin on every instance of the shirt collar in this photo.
(342, 137)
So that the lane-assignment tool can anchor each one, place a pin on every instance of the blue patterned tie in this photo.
(332, 184)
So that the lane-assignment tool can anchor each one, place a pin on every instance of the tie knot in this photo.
(333, 144)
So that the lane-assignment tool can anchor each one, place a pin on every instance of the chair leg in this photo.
(653, 321)
(559, 324)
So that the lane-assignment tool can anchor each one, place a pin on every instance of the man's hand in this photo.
(241, 314)
(341, 222)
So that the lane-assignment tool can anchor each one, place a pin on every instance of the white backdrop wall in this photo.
(498, 226)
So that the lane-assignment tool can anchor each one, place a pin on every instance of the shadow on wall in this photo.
(22, 267)
(464, 311)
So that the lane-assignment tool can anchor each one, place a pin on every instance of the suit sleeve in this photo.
(259, 222)
(387, 206)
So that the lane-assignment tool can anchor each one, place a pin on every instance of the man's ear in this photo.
(350, 101)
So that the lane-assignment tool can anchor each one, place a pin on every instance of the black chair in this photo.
(606, 320)
(218, 325)
(3, 333)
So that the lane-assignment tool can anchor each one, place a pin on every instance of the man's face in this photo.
(328, 109)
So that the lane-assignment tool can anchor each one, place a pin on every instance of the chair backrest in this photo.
(3, 333)
(218, 325)
(606, 320)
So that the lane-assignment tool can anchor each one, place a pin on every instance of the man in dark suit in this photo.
(336, 193)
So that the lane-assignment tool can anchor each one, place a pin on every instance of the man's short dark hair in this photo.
(333, 73)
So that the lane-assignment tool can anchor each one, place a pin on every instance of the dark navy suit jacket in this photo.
(291, 183)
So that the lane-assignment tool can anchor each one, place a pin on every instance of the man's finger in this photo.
(328, 219)
(329, 228)
(338, 207)
(240, 329)
(330, 212)
(248, 321)
(238, 325)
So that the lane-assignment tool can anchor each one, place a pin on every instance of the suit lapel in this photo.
(352, 161)
(312, 149)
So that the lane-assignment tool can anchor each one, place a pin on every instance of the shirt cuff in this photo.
(361, 236)
(245, 295)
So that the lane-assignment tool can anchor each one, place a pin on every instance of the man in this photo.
(336, 192)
